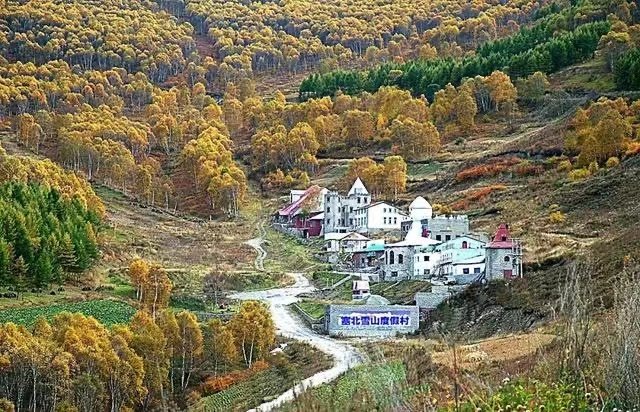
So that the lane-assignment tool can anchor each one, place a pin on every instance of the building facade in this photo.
(339, 210)
(503, 255)
(442, 227)
(378, 217)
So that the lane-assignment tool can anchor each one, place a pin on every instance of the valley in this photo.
(212, 205)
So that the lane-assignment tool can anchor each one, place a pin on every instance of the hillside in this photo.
(145, 146)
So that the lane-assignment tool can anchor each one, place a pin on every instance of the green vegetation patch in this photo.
(286, 253)
(378, 386)
(402, 292)
(313, 308)
(107, 312)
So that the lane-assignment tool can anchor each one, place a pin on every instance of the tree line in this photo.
(520, 55)
(43, 237)
(153, 363)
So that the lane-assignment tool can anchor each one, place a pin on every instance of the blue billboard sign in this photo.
(370, 320)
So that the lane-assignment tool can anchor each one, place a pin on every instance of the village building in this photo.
(360, 290)
(302, 216)
(426, 260)
(345, 243)
(339, 210)
(441, 227)
(371, 257)
(399, 256)
(503, 255)
(462, 256)
(378, 217)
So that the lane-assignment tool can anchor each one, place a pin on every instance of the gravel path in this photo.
(345, 356)
(256, 243)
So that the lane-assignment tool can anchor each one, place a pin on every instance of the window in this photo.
(395, 220)
(438, 237)
(447, 237)
(351, 222)
(384, 210)
(476, 270)
(400, 259)
(427, 271)
(350, 210)
(328, 221)
(507, 258)
(391, 258)
(328, 209)
(385, 220)
(426, 258)
(504, 238)
(465, 271)
(465, 245)
(394, 274)
(358, 200)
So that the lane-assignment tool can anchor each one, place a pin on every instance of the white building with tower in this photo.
(356, 213)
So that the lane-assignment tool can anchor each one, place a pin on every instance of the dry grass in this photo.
(501, 349)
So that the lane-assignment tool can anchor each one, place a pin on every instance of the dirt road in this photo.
(345, 356)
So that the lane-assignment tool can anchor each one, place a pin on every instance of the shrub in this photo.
(579, 174)
(565, 166)
(493, 168)
(633, 149)
(594, 167)
(557, 217)
(219, 383)
(527, 169)
(478, 195)
(612, 162)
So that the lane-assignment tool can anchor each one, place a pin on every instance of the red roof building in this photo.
(502, 239)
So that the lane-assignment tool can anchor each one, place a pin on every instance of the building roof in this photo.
(341, 236)
(470, 261)
(306, 199)
(420, 209)
(319, 216)
(358, 188)
(419, 203)
(502, 239)
(360, 285)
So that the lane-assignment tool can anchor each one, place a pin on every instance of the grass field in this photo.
(401, 293)
(313, 308)
(371, 387)
(108, 312)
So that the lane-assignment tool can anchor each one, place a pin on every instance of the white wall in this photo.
(459, 269)
(420, 264)
(380, 217)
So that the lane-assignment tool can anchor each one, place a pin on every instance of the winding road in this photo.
(345, 356)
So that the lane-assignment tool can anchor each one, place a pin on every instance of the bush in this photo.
(493, 168)
(612, 162)
(521, 396)
(214, 384)
(478, 195)
(565, 166)
(579, 174)
(594, 167)
(557, 217)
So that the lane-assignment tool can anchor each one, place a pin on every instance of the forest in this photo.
(519, 55)
(75, 363)
(43, 238)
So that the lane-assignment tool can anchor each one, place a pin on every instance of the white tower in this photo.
(420, 209)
